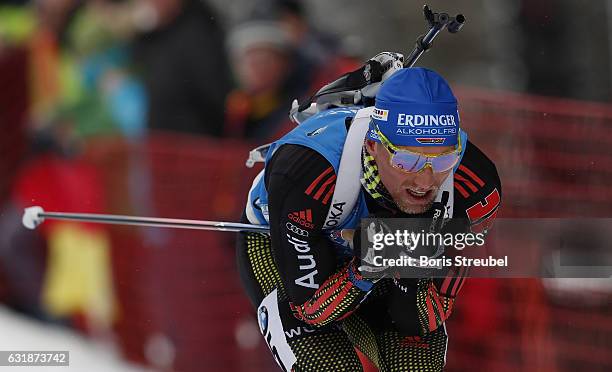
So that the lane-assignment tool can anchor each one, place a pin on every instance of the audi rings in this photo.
(297, 230)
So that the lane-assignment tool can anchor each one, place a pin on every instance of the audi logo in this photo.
(295, 229)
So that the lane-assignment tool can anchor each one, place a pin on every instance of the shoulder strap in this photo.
(448, 184)
(348, 186)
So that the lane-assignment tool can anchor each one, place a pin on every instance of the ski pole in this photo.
(34, 216)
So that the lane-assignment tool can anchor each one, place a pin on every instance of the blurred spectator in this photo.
(111, 96)
(64, 85)
(79, 62)
(180, 52)
(61, 270)
(272, 70)
(313, 43)
(52, 71)
(269, 78)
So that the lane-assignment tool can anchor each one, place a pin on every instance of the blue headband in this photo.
(416, 107)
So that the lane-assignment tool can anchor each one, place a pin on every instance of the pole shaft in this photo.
(154, 222)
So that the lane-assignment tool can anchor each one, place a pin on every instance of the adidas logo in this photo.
(302, 218)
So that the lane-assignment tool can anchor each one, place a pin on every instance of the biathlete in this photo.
(396, 158)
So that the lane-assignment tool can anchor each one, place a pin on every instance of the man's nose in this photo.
(424, 178)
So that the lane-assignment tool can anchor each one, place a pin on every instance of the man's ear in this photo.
(371, 147)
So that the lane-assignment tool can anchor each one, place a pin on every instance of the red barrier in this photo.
(181, 302)
(552, 155)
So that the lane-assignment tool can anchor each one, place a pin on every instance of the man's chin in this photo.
(411, 204)
(412, 207)
(415, 209)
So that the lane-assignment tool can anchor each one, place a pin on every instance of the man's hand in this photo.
(405, 239)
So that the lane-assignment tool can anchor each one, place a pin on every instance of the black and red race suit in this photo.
(327, 309)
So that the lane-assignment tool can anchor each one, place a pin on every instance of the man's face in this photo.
(413, 192)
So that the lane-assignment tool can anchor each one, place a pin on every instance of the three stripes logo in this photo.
(322, 188)
(302, 218)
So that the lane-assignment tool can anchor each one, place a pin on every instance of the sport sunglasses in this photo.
(412, 162)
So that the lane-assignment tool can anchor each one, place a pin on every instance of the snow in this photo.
(20, 333)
